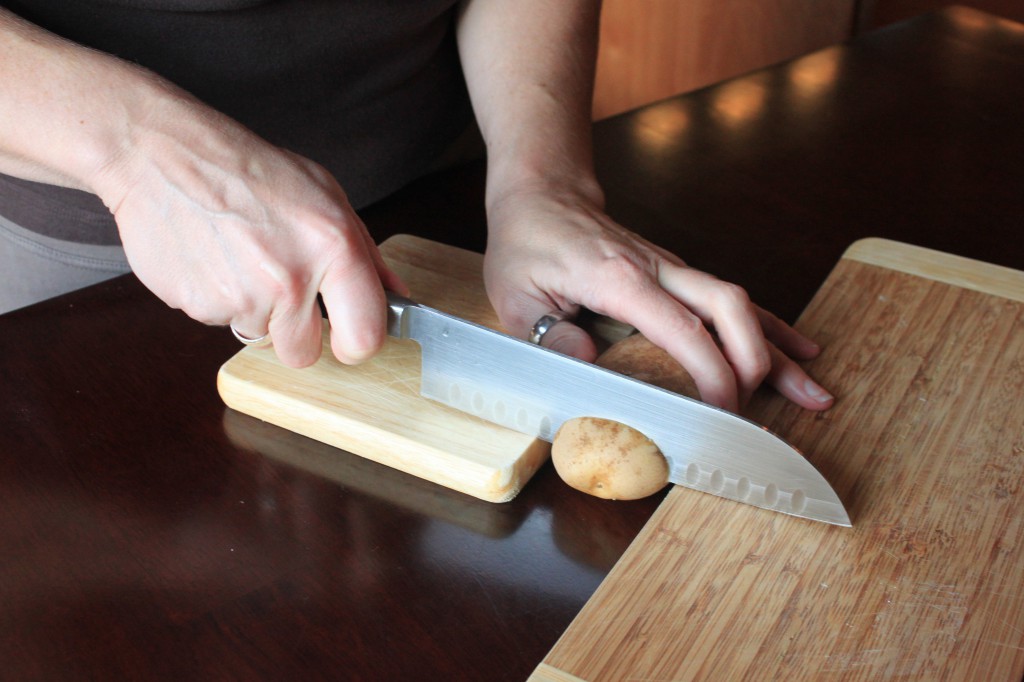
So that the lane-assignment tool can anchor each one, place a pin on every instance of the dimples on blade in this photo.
(534, 390)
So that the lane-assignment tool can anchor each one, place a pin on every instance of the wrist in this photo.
(541, 174)
(112, 148)
(161, 134)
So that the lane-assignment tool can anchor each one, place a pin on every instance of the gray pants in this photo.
(34, 268)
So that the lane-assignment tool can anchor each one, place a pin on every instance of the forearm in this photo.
(67, 113)
(529, 66)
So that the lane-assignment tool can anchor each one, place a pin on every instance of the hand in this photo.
(230, 229)
(551, 250)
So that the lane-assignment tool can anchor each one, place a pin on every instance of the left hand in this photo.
(557, 250)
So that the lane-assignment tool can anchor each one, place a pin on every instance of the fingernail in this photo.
(816, 392)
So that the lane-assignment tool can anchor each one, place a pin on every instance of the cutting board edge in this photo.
(492, 484)
(939, 266)
(549, 673)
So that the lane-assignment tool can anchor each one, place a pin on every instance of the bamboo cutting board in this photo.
(375, 409)
(925, 445)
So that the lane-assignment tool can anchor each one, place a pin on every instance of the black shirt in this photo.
(371, 89)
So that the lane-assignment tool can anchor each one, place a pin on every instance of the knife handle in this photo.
(397, 308)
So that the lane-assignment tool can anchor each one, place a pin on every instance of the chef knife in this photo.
(534, 390)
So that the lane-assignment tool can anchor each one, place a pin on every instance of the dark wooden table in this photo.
(146, 532)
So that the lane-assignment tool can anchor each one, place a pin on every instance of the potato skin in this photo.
(612, 460)
(607, 459)
(636, 357)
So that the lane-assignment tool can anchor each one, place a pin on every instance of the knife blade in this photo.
(534, 390)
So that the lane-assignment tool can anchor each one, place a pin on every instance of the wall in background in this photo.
(652, 49)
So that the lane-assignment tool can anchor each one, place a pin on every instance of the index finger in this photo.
(671, 325)
(356, 305)
(735, 319)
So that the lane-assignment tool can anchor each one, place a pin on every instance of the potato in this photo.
(612, 460)
(637, 357)
(608, 459)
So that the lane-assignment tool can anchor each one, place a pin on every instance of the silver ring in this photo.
(248, 341)
(545, 323)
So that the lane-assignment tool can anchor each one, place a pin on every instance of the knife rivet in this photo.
(692, 473)
(771, 495)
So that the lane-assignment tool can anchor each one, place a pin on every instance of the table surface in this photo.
(147, 532)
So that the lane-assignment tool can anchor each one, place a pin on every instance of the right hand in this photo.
(233, 230)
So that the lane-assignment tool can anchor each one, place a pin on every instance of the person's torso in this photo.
(371, 89)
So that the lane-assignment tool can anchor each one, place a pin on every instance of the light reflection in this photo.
(361, 475)
(981, 22)
(958, 64)
(661, 125)
(814, 75)
(740, 101)
(1010, 26)
(550, 573)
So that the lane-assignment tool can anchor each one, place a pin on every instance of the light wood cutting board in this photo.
(375, 409)
(925, 445)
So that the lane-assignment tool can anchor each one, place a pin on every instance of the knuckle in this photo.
(325, 233)
(688, 325)
(197, 303)
(200, 308)
(290, 291)
(692, 326)
(621, 268)
(271, 279)
(618, 283)
(759, 365)
(334, 242)
(329, 216)
(734, 296)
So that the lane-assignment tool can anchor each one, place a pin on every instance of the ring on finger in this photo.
(545, 323)
(255, 341)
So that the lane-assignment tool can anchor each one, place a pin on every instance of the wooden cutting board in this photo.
(925, 445)
(375, 409)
